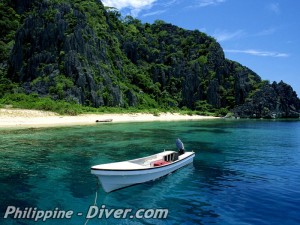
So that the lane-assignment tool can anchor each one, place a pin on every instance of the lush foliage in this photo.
(33, 101)
(78, 56)
(8, 25)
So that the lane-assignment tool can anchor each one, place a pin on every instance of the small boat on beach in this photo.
(104, 121)
(114, 176)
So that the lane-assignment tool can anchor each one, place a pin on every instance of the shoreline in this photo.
(23, 118)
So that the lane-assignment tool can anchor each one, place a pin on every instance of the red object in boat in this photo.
(160, 163)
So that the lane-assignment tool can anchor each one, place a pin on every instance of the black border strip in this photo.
(151, 168)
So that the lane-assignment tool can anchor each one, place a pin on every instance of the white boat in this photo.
(114, 176)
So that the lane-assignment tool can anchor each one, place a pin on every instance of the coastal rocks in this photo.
(57, 41)
(213, 96)
(271, 101)
(132, 99)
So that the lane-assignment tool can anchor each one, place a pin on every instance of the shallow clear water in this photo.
(244, 172)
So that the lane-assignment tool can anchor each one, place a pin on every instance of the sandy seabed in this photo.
(37, 118)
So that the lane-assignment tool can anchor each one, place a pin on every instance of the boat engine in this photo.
(180, 146)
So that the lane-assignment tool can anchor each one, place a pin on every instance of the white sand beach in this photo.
(35, 118)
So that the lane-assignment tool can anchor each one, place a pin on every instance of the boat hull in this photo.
(112, 180)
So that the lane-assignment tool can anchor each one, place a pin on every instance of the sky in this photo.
(263, 35)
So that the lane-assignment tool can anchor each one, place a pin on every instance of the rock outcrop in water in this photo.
(82, 52)
(271, 101)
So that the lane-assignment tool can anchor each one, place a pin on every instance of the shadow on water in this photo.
(16, 190)
(213, 131)
(160, 133)
(214, 176)
(20, 131)
(176, 187)
(76, 177)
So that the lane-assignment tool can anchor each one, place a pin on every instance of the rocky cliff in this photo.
(82, 52)
(271, 101)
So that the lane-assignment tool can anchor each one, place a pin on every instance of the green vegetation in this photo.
(33, 101)
(78, 56)
(9, 23)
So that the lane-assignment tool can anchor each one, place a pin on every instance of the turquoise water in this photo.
(244, 172)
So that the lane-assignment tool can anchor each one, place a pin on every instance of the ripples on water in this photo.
(244, 172)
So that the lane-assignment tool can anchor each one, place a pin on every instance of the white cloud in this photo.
(154, 13)
(135, 6)
(203, 29)
(274, 7)
(266, 32)
(169, 3)
(119, 4)
(203, 3)
(223, 35)
(258, 53)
